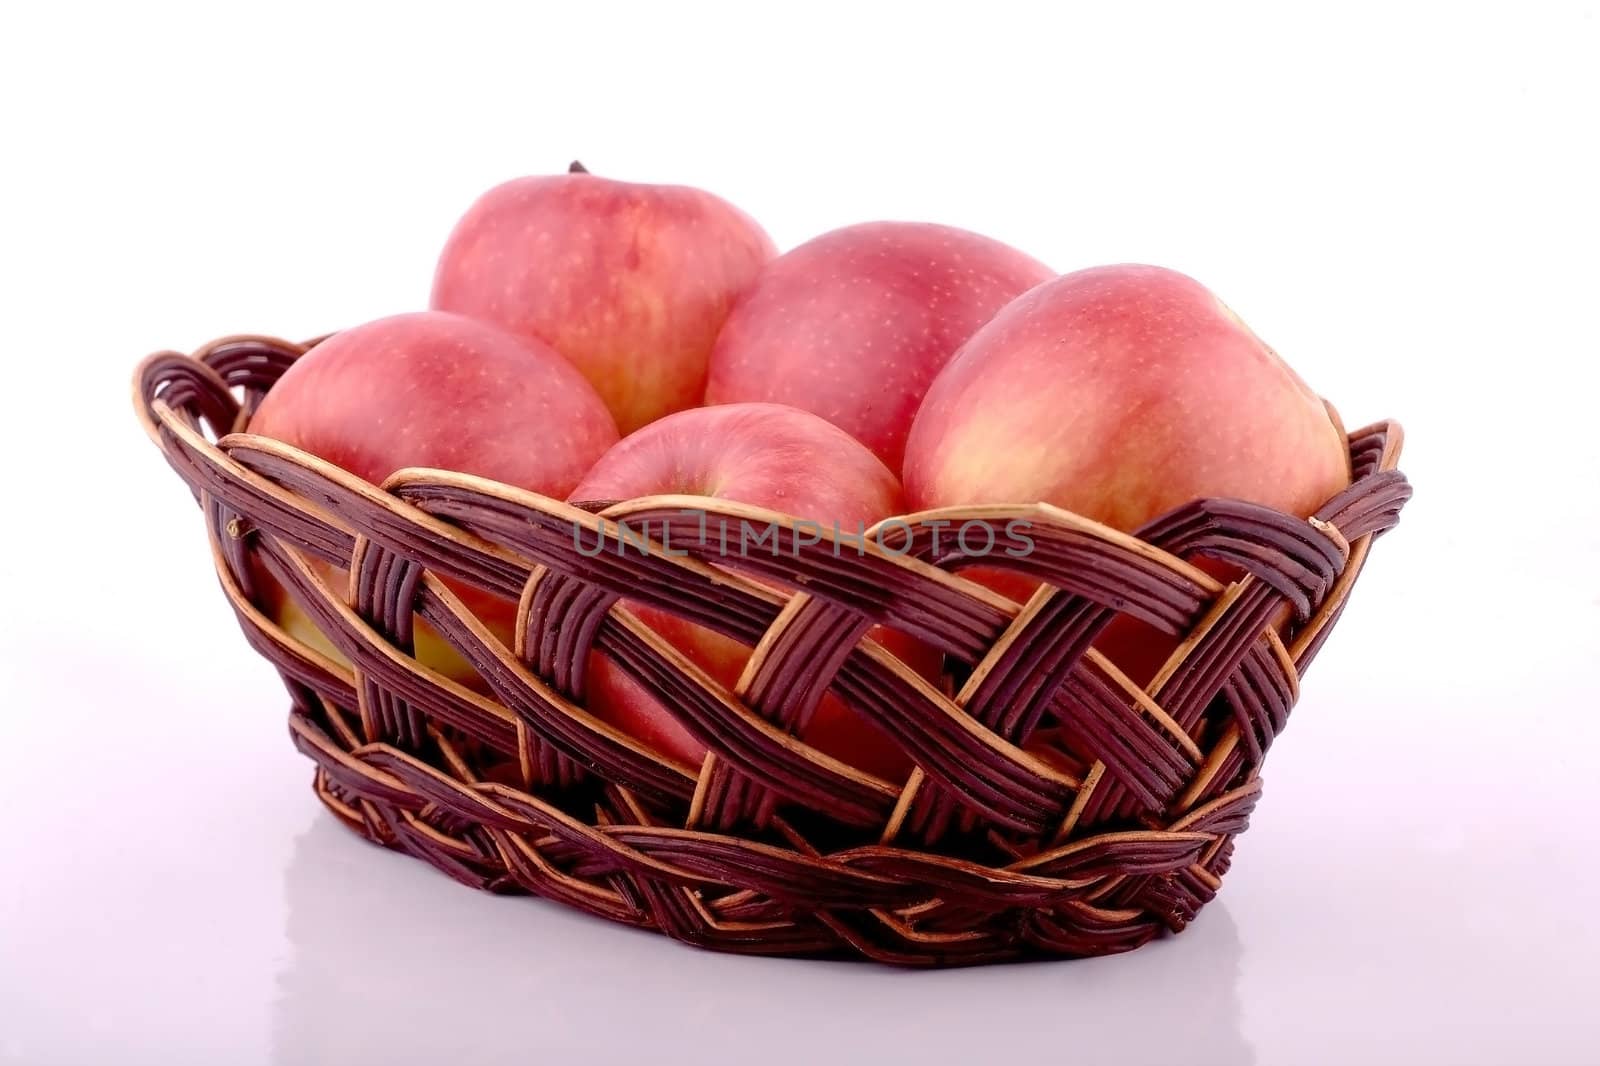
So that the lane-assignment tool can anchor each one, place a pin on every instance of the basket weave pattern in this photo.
(986, 852)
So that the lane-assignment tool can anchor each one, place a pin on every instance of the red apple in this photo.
(438, 390)
(1120, 393)
(854, 324)
(770, 456)
(630, 282)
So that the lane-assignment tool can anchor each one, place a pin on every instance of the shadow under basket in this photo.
(1055, 807)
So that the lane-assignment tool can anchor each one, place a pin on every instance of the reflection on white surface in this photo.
(385, 952)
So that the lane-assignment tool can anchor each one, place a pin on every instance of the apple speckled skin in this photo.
(765, 455)
(1121, 392)
(437, 390)
(854, 325)
(631, 282)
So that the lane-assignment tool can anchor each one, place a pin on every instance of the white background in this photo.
(1402, 202)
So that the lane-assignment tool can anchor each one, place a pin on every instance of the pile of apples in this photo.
(592, 339)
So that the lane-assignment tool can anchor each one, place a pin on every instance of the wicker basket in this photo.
(986, 852)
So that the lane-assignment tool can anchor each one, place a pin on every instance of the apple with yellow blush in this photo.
(1121, 393)
(432, 389)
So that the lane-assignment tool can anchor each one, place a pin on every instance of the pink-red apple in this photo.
(770, 456)
(438, 390)
(630, 282)
(854, 324)
(1120, 393)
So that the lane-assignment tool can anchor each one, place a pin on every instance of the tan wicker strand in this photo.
(987, 851)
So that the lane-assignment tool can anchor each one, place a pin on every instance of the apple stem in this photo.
(577, 168)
